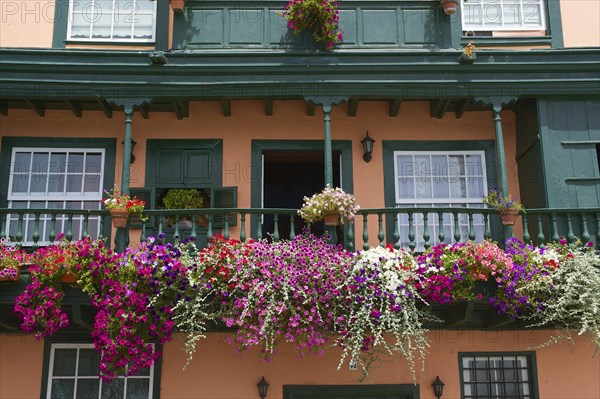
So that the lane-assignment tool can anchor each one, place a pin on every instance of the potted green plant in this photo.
(184, 198)
(505, 205)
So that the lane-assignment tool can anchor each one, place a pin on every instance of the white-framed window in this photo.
(73, 372)
(497, 376)
(503, 15)
(439, 179)
(55, 178)
(112, 20)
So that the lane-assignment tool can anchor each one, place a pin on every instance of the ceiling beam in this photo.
(105, 107)
(144, 108)
(352, 107)
(395, 107)
(226, 105)
(37, 106)
(268, 106)
(460, 110)
(310, 108)
(74, 106)
(438, 108)
(177, 110)
(4, 108)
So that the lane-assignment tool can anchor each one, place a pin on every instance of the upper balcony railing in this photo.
(412, 228)
(258, 24)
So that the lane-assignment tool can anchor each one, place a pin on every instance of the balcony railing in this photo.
(412, 228)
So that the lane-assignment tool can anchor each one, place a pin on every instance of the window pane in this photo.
(58, 162)
(93, 163)
(405, 165)
(91, 184)
(74, 183)
(89, 362)
(63, 389)
(88, 388)
(22, 161)
(64, 362)
(40, 162)
(114, 390)
(475, 187)
(144, 26)
(458, 188)
(20, 183)
(423, 187)
(75, 164)
(38, 183)
(56, 184)
(422, 165)
(406, 188)
(138, 388)
(511, 12)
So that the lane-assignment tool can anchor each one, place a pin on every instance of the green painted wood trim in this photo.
(401, 391)
(453, 30)
(506, 41)
(162, 26)
(109, 145)
(61, 20)
(216, 147)
(389, 184)
(75, 74)
(531, 359)
(554, 20)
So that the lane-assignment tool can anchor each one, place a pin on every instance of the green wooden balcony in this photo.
(257, 24)
(412, 228)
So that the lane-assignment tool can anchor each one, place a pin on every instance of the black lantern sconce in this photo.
(133, 143)
(263, 387)
(438, 387)
(367, 143)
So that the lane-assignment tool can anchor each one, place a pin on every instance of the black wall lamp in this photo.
(438, 387)
(367, 143)
(133, 143)
(263, 387)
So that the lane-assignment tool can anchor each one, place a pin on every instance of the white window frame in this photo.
(523, 13)
(78, 346)
(92, 8)
(73, 197)
(525, 372)
(468, 202)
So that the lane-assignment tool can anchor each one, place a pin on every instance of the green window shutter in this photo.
(146, 194)
(224, 197)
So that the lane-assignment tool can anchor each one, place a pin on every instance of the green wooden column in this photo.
(122, 234)
(496, 103)
(328, 152)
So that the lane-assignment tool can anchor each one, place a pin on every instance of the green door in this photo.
(388, 391)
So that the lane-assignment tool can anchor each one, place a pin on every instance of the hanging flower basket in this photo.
(449, 6)
(331, 219)
(119, 217)
(10, 274)
(509, 216)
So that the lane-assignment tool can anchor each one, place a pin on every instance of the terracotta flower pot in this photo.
(331, 219)
(68, 279)
(177, 5)
(119, 217)
(449, 6)
(509, 216)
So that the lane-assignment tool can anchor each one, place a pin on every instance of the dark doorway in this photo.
(289, 176)
(399, 391)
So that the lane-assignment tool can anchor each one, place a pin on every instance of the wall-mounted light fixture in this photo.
(367, 143)
(438, 387)
(133, 143)
(263, 387)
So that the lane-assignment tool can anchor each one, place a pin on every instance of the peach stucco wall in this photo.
(564, 371)
(20, 366)
(581, 22)
(289, 121)
(27, 23)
